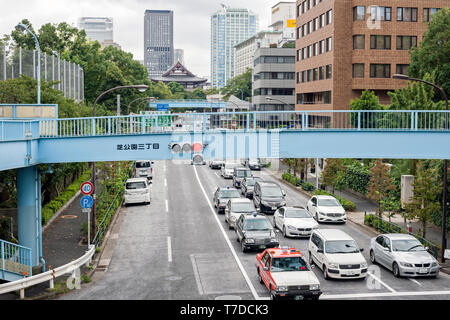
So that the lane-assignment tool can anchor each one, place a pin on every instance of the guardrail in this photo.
(19, 130)
(15, 259)
(390, 227)
(339, 120)
(28, 111)
(50, 275)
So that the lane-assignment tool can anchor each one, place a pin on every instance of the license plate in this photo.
(262, 247)
(423, 270)
(298, 298)
(274, 208)
(351, 273)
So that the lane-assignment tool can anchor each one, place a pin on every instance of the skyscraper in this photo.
(97, 28)
(158, 41)
(229, 27)
(179, 56)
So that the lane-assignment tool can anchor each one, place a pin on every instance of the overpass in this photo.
(24, 144)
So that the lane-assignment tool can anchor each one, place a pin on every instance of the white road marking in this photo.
(216, 174)
(167, 205)
(165, 182)
(384, 284)
(169, 249)
(233, 252)
(196, 274)
(383, 294)
(415, 281)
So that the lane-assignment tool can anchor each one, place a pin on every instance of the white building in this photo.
(283, 19)
(245, 51)
(229, 27)
(97, 28)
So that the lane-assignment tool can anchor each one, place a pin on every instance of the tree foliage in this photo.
(380, 184)
(239, 86)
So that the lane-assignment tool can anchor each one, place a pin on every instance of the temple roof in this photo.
(178, 73)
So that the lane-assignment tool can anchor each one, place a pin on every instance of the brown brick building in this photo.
(346, 46)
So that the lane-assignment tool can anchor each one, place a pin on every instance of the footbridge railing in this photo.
(15, 259)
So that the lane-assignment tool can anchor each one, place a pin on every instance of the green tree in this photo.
(367, 101)
(331, 172)
(424, 202)
(432, 56)
(241, 82)
(380, 184)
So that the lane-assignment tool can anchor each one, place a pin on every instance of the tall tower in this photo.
(229, 27)
(158, 41)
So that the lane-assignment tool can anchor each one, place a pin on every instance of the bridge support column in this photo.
(29, 206)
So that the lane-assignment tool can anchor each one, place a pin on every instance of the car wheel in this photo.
(372, 257)
(272, 295)
(284, 232)
(310, 259)
(325, 273)
(396, 270)
(243, 247)
(317, 218)
(259, 277)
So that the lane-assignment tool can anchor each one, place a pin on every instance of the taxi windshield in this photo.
(250, 182)
(242, 207)
(289, 264)
(257, 225)
(232, 193)
(243, 173)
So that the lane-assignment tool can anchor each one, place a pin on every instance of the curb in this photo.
(57, 213)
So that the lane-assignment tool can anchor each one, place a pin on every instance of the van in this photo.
(143, 168)
(268, 197)
(137, 190)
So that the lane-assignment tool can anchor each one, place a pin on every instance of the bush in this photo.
(347, 204)
(308, 186)
(289, 177)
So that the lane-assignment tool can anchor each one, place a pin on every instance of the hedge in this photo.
(53, 206)
(347, 204)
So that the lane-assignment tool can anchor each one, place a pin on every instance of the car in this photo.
(254, 164)
(255, 232)
(239, 173)
(236, 207)
(137, 190)
(143, 168)
(337, 254)
(268, 197)
(216, 164)
(326, 209)
(247, 185)
(222, 195)
(404, 255)
(227, 170)
(287, 275)
(294, 222)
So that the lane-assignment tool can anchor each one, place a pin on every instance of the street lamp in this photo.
(142, 98)
(21, 27)
(273, 99)
(141, 88)
(444, 196)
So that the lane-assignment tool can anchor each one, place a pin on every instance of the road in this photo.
(178, 247)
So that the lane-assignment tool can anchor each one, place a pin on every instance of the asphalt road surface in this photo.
(178, 247)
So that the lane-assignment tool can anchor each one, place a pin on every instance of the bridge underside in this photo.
(230, 145)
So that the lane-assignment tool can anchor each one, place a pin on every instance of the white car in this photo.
(137, 190)
(294, 222)
(228, 169)
(143, 168)
(235, 207)
(326, 209)
(337, 254)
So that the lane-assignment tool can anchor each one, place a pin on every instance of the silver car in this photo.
(236, 207)
(404, 255)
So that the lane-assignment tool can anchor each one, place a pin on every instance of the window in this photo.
(328, 71)
(310, 26)
(359, 13)
(380, 42)
(303, 6)
(308, 75)
(326, 100)
(310, 47)
(407, 14)
(358, 70)
(358, 41)
(329, 44)
(303, 76)
(304, 30)
(299, 56)
(298, 77)
(316, 49)
(406, 42)
(401, 69)
(329, 16)
(428, 12)
(322, 46)
(299, 32)
(322, 20)
(316, 24)
(380, 13)
(315, 74)
(321, 73)
(380, 70)
(304, 53)
(299, 10)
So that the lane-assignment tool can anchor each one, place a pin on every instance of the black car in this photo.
(216, 164)
(222, 195)
(253, 164)
(239, 174)
(268, 197)
(247, 186)
(255, 232)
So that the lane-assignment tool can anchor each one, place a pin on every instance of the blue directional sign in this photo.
(87, 202)
(162, 107)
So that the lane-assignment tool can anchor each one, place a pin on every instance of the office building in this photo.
(97, 28)
(283, 19)
(345, 47)
(158, 41)
(229, 27)
(179, 56)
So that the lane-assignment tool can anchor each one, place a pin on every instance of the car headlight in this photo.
(321, 213)
(273, 240)
(233, 218)
(291, 228)
(249, 240)
(282, 289)
(314, 287)
(364, 265)
(405, 264)
(434, 264)
(333, 266)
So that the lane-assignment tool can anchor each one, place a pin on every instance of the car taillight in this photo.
(151, 170)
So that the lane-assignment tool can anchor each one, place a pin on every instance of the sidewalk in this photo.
(433, 233)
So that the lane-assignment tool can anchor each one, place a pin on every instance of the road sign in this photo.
(86, 188)
(87, 202)
(88, 210)
(162, 107)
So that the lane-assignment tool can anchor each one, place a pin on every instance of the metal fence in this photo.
(15, 259)
(17, 61)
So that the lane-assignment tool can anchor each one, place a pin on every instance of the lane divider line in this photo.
(415, 281)
(169, 249)
(383, 294)
(167, 205)
(197, 275)
(227, 240)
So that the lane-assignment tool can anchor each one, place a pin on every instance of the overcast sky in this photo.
(191, 21)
